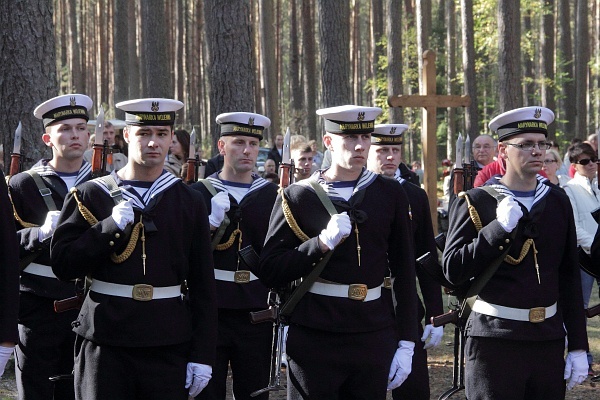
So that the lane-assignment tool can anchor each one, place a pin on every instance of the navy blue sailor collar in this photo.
(541, 189)
(364, 180)
(257, 183)
(43, 168)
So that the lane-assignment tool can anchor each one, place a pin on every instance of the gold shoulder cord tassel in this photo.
(135, 234)
(24, 224)
(508, 259)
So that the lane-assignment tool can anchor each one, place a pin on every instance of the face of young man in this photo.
(524, 162)
(384, 159)
(348, 151)
(279, 141)
(302, 162)
(148, 145)
(109, 135)
(68, 138)
(240, 152)
(270, 166)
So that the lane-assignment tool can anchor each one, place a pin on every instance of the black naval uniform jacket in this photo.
(177, 249)
(551, 225)
(31, 208)
(386, 243)
(9, 270)
(252, 215)
(422, 230)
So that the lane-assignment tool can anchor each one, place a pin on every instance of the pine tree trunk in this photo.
(548, 54)
(468, 63)
(509, 56)
(394, 56)
(310, 67)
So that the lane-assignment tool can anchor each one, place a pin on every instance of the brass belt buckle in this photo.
(241, 276)
(537, 314)
(387, 282)
(142, 292)
(357, 291)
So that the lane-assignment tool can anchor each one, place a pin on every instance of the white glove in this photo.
(508, 213)
(122, 214)
(339, 227)
(401, 364)
(576, 368)
(219, 205)
(5, 353)
(435, 334)
(197, 377)
(49, 226)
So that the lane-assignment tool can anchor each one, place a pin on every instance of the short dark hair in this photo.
(578, 149)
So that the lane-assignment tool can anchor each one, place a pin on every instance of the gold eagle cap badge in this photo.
(154, 106)
(537, 113)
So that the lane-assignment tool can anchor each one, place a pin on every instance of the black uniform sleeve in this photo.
(9, 270)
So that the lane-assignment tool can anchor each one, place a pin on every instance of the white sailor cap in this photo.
(349, 119)
(150, 111)
(243, 123)
(388, 134)
(64, 107)
(522, 120)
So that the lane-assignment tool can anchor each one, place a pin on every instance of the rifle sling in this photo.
(483, 278)
(43, 189)
(300, 291)
(224, 224)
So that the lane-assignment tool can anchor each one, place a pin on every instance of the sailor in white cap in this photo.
(524, 226)
(345, 340)
(141, 235)
(385, 157)
(46, 341)
(239, 202)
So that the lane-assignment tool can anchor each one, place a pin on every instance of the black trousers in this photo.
(45, 349)
(500, 369)
(105, 372)
(333, 365)
(416, 386)
(246, 348)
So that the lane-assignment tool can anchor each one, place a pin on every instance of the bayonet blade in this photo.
(192, 149)
(99, 131)
(286, 155)
(17, 142)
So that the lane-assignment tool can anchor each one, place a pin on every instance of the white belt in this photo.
(356, 291)
(141, 292)
(537, 314)
(40, 270)
(241, 276)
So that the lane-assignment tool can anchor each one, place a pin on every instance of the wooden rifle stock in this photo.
(72, 303)
(191, 175)
(15, 161)
(592, 312)
(285, 175)
(97, 150)
(458, 180)
(441, 320)
(270, 314)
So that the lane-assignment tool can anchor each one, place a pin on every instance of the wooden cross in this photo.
(430, 101)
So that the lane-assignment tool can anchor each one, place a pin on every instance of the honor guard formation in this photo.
(136, 270)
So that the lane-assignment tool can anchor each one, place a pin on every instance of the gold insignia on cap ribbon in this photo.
(537, 113)
(154, 107)
(393, 130)
(251, 121)
(361, 116)
(72, 101)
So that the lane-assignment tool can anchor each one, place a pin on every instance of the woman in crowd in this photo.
(178, 152)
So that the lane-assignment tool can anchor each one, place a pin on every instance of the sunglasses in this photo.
(586, 161)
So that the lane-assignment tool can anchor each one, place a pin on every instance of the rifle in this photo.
(193, 162)
(593, 311)
(100, 149)
(15, 156)
(464, 176)
(72, 303)
(277, 297)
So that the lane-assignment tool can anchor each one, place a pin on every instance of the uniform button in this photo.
(111, 243)
(313, 264)
(500, 248)
(506, 240)
(117, 235)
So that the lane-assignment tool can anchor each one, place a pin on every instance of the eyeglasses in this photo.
(547, 162)
(586, 161)
(528, 146)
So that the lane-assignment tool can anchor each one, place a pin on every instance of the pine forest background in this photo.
(287, 58)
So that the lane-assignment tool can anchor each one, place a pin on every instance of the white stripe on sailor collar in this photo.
(47, 170)
(257, 183)
(366, 178)
(541, 190)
